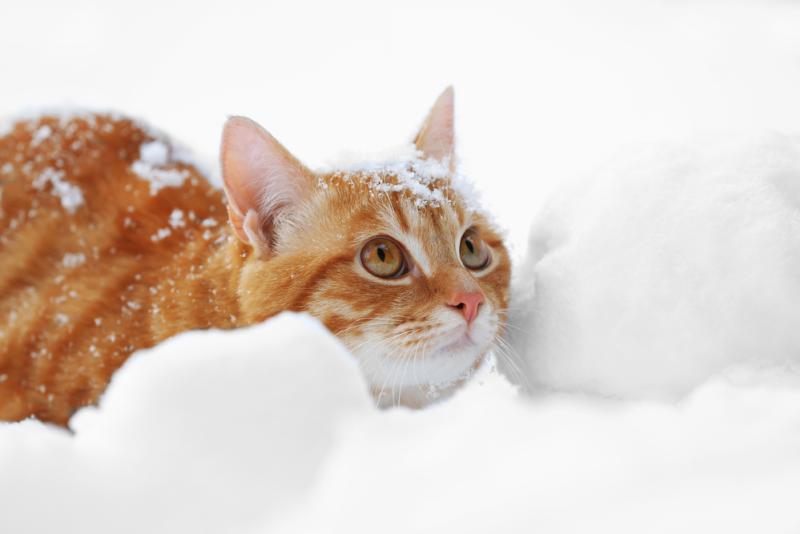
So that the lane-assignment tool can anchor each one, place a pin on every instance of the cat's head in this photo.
(393, 258)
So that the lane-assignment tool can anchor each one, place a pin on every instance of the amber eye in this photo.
(384, 258)
(474, 252)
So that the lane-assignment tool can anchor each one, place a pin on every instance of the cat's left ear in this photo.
(263, 182)
(436, 139)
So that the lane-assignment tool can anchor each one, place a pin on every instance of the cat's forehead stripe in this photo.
(434, 235)
(416, 249)
(408, 234)
(402, 219)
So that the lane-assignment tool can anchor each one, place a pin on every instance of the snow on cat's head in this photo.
(393, 257)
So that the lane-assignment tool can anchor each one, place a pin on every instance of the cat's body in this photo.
(117, 269)
(109, 244)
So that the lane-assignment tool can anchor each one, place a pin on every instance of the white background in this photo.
(545, 90)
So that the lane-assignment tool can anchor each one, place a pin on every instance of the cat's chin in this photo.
(417, 375)
(420, 395)
(418, 383)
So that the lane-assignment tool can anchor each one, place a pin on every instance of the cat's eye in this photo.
(384, 258)
(475, 254)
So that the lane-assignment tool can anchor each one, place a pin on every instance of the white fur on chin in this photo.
(431, 369)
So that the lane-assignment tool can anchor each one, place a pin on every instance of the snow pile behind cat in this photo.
(652, 277)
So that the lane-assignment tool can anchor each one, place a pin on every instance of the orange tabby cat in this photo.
(110, 241)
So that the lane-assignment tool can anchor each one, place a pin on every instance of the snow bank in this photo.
(724, 460)
(208, 432)
(270, 429)
(653, 277)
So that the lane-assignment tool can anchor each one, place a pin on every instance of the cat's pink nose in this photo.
(468, 304)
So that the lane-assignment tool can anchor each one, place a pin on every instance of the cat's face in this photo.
(392, 259)
(416, 292)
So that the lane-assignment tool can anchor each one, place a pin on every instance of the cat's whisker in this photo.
(392, 388)
(506, 321)
(407, 359)
(516, 327)
(514, 308)
(376, 321)
(394, 369)
(508, 355)
(377, 340)
(383, 387)
(414, 369)
(512, 353)
(516, 375)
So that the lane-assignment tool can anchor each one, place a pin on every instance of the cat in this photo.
(111, 241)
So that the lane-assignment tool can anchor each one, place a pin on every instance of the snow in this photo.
(161, 233)
(160, 152)
(654, 295)
(403, 168)
(152, 155)
(41, 134)
(158, 459)
(176, 219)
(271, 429)
(69, 194)
(73, 259)
(666, 270)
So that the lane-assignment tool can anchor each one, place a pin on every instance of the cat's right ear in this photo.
(435, 138)
(262, 182)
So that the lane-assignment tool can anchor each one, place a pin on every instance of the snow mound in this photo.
(271, 429)
(724, 460)
(653, 277)
(208, 432)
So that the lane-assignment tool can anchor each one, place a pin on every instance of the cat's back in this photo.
(83, 168)
(93, 209)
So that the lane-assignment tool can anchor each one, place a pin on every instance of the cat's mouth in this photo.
(462, 343)
(463, 340)
(437, 361)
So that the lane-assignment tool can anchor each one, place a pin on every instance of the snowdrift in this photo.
(208, 432)
(270, 429)
(655, 275)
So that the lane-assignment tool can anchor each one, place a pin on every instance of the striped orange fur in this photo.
(97, 261)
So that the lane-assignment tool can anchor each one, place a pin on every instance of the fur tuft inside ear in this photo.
(436, 139)
(262, 181)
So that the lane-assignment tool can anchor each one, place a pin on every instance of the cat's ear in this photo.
(262, 182)
(435, 138)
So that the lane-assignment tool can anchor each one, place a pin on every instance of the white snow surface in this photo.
(178, 437)
(271, 429)
(665, 270)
